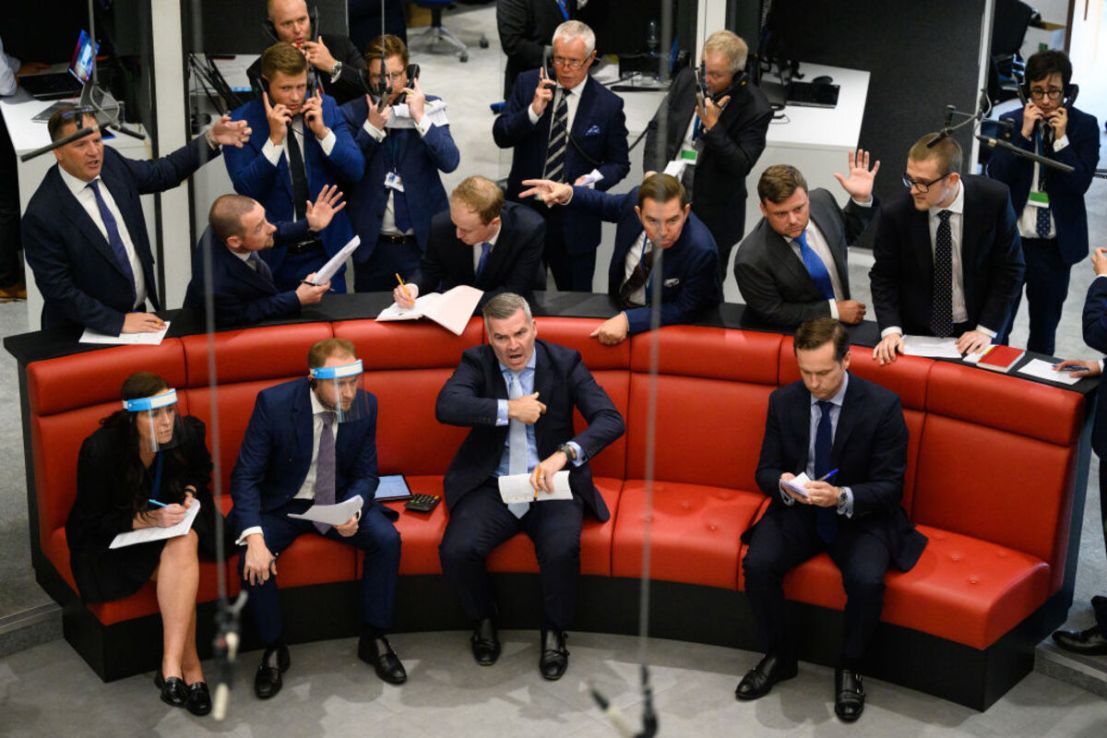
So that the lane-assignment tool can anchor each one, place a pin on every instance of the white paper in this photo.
(126, 339)
(676, 168)
(145, 535)
(935, 348)
(1044, 370)
(451, 309)
(331, 514)
(796, 484)
(335, 263)
(517, 488)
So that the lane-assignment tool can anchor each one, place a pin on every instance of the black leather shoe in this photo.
(1089, 642)
(274, 662)
(485, 643)
(378, 653)
(173, 690)
(199, 699)
(849, 695)
(555, 657)
(759, 680)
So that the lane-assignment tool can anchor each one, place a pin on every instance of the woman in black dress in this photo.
(144, 467)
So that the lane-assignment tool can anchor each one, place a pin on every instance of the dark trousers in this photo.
(571, 272)
(1047, 286)
(480, 521)
(378, 272)
(375, 535)
(11, 265)
(785, 539)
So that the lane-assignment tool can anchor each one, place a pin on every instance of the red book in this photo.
(1001, 358)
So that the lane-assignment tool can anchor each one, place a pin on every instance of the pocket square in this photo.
(671, 282)
(593, 130)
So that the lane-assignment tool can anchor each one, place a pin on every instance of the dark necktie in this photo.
(941, 310)
(816, 268)
(114, 239)
(1041, 224)
(258, 265)
(298, 173)
(324, 467)
(485, 250)
(637, 279)
(826, 518)
(559, 138)
(697, 128)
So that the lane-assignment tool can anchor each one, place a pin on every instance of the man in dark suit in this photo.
(84, 234)
(406, 144)
(793, 265)
(948, 261)
(654, 215)
(573, 130)
(292, 456)
(832, 428)
(308, 147)
(719, 138)
(525, 28)
(1053, 222)
(518, 395)
(292, 23)
(242, 286)
(480, 241)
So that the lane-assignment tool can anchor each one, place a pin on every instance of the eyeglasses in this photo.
(572, 64)
(1052, 93)
(922, 187)
(390, 76)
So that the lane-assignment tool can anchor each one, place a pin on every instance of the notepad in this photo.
(517, 488)
(1044, 370)
(331, 514)
(931, 347)
(796, 484)
(451, 309)
(145, 535)
(125, 339)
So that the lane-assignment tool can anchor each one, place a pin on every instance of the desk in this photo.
(27, 135)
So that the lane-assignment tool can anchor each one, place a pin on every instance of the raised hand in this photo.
(319, 213)
(318, 55)
(416, 100)
(859, 183)
(543, 93)
(313, 115)
(227, 132)
(279, 117)
(378, 118)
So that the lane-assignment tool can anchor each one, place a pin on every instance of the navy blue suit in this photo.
(1095, 335)
(81, 281)
(1048, 261)
(479, 521)
(598, 140)
(254, 176)
(689, 270)
(273, 462)
(418, 161)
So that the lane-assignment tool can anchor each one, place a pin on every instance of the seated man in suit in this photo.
(406, 143)
(719, 138)
(1053, 222)
(860, 523)
(291, 22)
(947, 256)
(242, 286)
(480, 241)
(292, 456)
(793, 265)
(84, 235)
(308, 147)
(518, 395)
(573, 130)
(656, 214)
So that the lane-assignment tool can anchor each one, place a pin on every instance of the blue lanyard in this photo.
(564, 9)
(155, 488)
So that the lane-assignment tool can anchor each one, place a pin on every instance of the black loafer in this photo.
(1089, 642)
(849, 695)
(760, 679)
(378, 653)
(485, 643)
(274, 662)
(555, 657)
(199, 699)
(173, 690)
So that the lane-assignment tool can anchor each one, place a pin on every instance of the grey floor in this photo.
(47, 690)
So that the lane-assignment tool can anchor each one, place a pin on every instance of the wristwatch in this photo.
(569, 451)
(336, 71)
(842, 497)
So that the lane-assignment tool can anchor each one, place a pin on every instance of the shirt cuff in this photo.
(1061, 143)
(1100, 276)
(867, 204)
(271, 151)
(423, 125)
(501, 412)
(327, 142)
(833, 308)
(985, 331)
(1101, 366)
(247, 533)
(591, 179)
(846, 506)
(578, 452)
(786, 498)
(531, 115)
(377, 134)
(890, 330)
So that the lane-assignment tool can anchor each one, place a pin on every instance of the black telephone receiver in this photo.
(1071, 91)
(547, 65)
(740, 80)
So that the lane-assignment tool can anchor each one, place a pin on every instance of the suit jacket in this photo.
(690, 266)
(277, 448)
(81, 281)
(773, 280)
(869, 452)
(991, 260)
(513, 266)
(1095, 335)
(252, 175)
(526, 28)
(347, 87)
(730, 150)
(470, 398)
(417, 159)
(598, 140)
(1066, 191)
(241, 295)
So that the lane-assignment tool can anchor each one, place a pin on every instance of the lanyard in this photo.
(564, 9)
(155, 488)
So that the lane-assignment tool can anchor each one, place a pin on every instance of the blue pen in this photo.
(827, 476)
(157, 504)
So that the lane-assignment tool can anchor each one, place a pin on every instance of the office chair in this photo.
(1006, 66)
(437, 32)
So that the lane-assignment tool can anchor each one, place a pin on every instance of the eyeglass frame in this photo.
(390, 76)
(924, 187)
(1053, 93)
(572, 64)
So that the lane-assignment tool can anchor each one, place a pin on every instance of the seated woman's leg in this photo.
(178, 577)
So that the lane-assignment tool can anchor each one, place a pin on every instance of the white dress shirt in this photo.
(1028, 219)
(635, 253)
(572, 103)
(477, 249)
(272, 152)
(817, 242)
(388, 220)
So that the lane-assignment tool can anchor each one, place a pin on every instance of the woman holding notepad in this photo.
(142, 472)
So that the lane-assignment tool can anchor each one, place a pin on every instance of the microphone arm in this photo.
(78, 134)
(998, 143)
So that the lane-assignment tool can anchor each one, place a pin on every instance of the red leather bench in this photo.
(991, 470)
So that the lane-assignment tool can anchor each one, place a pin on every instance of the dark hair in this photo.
(779, 182)
(225, 216)
(387, 46)
(1044, 63)
(65, 114)
(661, 188)
(813, 334)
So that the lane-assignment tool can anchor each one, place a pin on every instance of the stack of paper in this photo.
(145, 535)
(126, 339)
(929, 346)
(518, 488)
(331, 514)
(451, 309)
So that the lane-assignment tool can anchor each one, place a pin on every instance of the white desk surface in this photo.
(832, 128)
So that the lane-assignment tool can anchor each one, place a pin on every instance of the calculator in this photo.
(422, 502)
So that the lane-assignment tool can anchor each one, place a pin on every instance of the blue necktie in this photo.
(826, 518)
(815, 268)
(1041, 224)
(114, 239)
(485, 250)
(400, 212)
(697, 128)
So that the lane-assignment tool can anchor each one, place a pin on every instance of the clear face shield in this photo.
(336, 388)
(156, 420)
